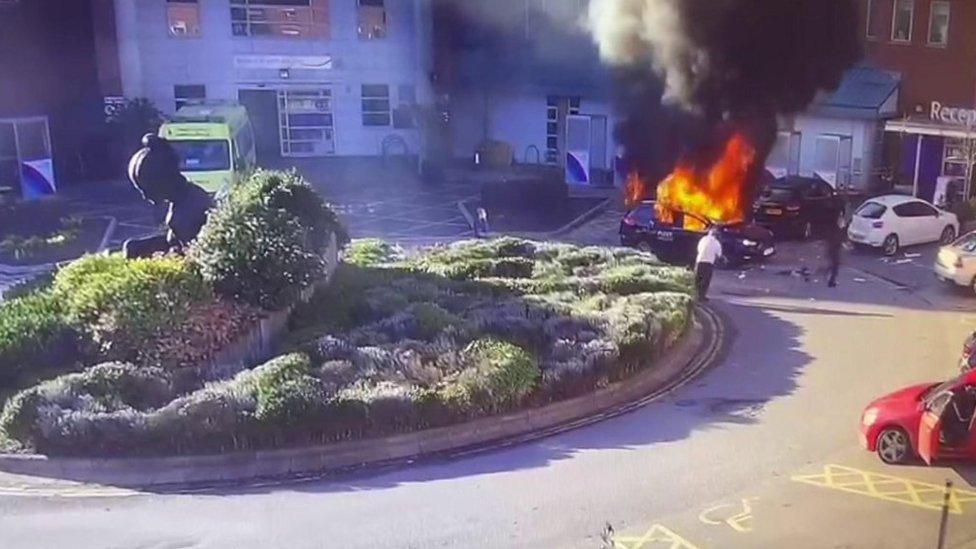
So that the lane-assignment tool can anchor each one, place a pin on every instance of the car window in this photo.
(966, 242)
(940, 401)
(904, 210)
(924, 210)
(643, 214)
(871, 210)
(778, 194)
(814, 191)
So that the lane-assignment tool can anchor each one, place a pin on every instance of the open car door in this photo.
(929, 432)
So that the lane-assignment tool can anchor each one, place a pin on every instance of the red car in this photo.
(909, 422)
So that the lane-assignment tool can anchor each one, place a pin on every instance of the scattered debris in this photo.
(860, 280)
(742, 275)
(903, 261)
(913, 256)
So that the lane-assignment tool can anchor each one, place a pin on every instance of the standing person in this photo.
(709, 250)
(835, 241)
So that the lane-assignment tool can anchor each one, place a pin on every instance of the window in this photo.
(306, 122)
(871, 210)
(183, 18)
(281, 18)
(903, 20)
(376, 105)
(924, 210)
(202, 155)
(939, 24)
(403, 115)
(954, 161)
(875, 18)
(372, 19)
(815, 191)
(183, 93)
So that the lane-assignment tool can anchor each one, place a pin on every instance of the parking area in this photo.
(378, 199)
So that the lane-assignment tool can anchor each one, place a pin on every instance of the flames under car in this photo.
(674, 238)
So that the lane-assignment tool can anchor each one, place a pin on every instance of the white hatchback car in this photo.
(956, 262)
(892, 221)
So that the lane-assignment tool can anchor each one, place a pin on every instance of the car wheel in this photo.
(806, 231)
(894, 446)
(645, 246)
(890, 246)
(948, 235)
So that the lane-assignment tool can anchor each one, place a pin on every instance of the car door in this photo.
(930, 427)
(830, 205)
(814, 203)
(692, 230)
(929, 221)
(904, 224)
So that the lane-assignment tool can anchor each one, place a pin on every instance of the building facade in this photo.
(49, 97)
(839, 138)
(932, 46)
(318, 77)
(525, 74)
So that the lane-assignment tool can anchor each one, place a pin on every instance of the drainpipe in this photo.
(918, 164)
(130, 59)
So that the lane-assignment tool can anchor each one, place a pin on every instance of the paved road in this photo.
(759, 452)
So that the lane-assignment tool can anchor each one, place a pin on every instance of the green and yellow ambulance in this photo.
(215, 143)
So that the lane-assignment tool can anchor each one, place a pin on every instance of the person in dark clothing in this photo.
(155, 172)
(835, 241)
(958, 418)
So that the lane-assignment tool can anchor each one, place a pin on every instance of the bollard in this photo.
(945, 514)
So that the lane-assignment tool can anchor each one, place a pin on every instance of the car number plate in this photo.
(774, 211)
(665, 236)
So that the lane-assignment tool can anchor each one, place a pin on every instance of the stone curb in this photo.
(697, 350)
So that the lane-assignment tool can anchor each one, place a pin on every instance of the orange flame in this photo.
(718, 192)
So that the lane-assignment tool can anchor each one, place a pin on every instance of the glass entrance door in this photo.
(306, 122)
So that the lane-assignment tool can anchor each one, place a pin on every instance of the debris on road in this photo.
(903, 261)
(860, 280)
(913, 256)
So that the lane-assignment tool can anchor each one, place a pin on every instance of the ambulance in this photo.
(215, 144)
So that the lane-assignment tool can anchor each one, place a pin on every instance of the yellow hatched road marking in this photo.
(906, 491)
(657, 536)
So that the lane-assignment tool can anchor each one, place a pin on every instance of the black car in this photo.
(672, 242)
(799, 206)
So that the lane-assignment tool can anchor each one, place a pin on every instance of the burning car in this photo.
(674, 238)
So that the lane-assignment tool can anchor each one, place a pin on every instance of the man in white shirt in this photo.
(709, 250)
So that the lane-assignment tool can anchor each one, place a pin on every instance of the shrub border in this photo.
(700, 347)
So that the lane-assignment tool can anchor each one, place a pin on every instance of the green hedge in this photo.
(126, 305)
(402, 341)
(264, 243)
(34, 338)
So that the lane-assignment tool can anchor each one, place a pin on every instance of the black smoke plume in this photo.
(689, 69)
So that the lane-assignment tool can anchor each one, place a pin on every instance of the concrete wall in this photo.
(153, 62)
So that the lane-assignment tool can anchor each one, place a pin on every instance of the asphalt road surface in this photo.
(761, 451)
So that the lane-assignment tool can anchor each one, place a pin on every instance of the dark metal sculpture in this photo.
(155, 172)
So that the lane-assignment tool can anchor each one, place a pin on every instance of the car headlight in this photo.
(870, 416)
(749, 243)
